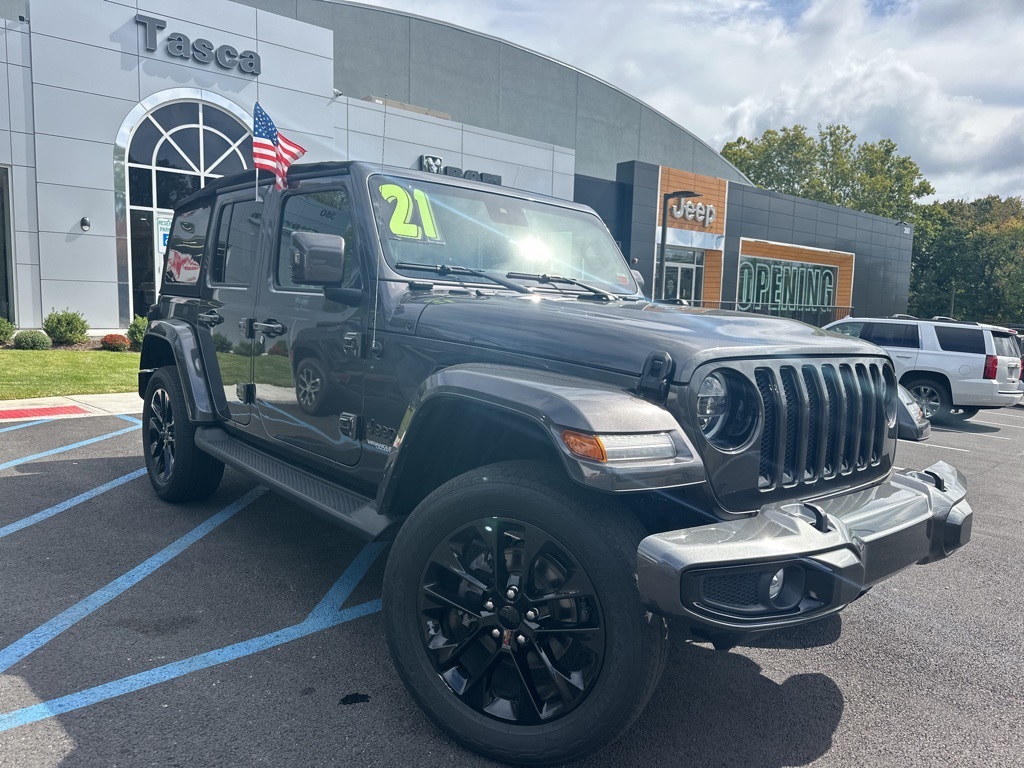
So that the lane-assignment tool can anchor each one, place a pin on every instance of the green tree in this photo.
(969, 260)
(832, 168)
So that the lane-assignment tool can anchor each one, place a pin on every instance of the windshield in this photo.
(424, 223)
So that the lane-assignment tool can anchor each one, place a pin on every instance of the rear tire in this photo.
(564, 659)
(963, 414)
(177, 469)
(933, 398)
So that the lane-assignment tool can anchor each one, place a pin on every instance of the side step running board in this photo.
(351, 510)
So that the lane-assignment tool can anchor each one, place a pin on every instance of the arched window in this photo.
(175, 150)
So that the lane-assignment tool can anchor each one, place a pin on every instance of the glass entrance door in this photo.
(682, 275)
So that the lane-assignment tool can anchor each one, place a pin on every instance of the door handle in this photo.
(210, 318)
(270, 328)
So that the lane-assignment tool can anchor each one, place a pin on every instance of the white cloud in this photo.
(942, 78)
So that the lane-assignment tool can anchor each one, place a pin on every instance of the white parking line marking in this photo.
(976, 434)
(947, 447)
(997, 424)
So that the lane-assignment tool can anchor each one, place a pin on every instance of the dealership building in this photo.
(114, 110)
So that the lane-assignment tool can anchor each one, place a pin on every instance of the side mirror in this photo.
(638, 277)
(317, 259)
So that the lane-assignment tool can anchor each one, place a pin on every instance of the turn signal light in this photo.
(633, 447)
(991, 364)
(587, 446)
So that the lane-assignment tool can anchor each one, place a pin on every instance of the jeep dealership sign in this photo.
(200, 50)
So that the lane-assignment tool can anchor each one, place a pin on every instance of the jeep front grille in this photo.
(820, 421)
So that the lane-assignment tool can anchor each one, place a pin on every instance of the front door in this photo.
(309, 373)
(228, 301)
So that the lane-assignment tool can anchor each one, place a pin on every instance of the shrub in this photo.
(221, 343)
(136, 331)
(32, 340)
(115, 342)
(66, 327)
(6, 330)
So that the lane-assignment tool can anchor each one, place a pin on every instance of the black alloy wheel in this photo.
(160, 435)
(177, 469)
(513, 617)
(511, 621)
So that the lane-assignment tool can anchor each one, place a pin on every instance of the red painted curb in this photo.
(29, 413)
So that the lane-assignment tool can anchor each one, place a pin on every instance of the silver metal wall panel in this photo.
(74, 162)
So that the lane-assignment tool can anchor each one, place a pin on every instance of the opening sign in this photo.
(790, 286)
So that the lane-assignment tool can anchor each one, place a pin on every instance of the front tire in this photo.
(177, 469)
(513, 617)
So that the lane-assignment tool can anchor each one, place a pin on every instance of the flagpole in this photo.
(257, 185)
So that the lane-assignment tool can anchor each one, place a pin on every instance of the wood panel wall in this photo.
(713, 192)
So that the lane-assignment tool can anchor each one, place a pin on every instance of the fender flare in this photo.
(555, 402)
(188, 358)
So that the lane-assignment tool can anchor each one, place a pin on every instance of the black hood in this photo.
(619, 335)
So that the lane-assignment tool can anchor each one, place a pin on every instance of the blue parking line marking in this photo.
(43, 634)
(38, 517)
(80, 444)
(130, 419)
(26, 424)
(316, 621)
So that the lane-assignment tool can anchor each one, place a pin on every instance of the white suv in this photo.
(954, 369)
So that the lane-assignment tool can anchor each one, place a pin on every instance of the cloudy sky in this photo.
(943, 78)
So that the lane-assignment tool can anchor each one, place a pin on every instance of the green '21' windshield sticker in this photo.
(412, 217)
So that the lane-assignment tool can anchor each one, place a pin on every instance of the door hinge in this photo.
(348, 423)
(245, 327)
(352, 344)
(656, 374)
(246, 393)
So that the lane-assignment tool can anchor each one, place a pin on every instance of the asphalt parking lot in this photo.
(244, 631)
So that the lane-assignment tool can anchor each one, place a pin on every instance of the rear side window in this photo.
(893, 335)
(234, 259)
(1005, 345)
(185, 248)
(970, 340)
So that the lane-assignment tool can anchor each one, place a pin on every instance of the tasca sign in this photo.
(200, 50)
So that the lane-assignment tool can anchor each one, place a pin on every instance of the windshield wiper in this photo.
(455, 269)
(549, 279)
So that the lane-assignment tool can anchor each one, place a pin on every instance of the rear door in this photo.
(900, 340)
(227, 302)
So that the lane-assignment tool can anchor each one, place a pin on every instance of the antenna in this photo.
(374, 347)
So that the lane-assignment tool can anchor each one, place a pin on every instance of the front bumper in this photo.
(731, 581)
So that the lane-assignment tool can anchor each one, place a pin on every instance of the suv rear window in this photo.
(970, 340)
(893, 335)
(1005, 345)
(185, 247)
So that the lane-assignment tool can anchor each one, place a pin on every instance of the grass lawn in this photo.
(48, 372)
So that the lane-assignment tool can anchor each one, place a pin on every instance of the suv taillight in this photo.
(991, 364)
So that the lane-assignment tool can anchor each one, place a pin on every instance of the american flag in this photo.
(271, 151)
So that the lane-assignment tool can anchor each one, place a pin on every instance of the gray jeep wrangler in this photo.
(563, 466)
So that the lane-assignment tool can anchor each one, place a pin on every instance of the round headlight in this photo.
(726, 409)
(712, 404)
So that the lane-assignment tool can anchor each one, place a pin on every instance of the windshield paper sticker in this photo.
(412, 217)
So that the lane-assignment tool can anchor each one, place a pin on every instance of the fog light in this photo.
(784, 589)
